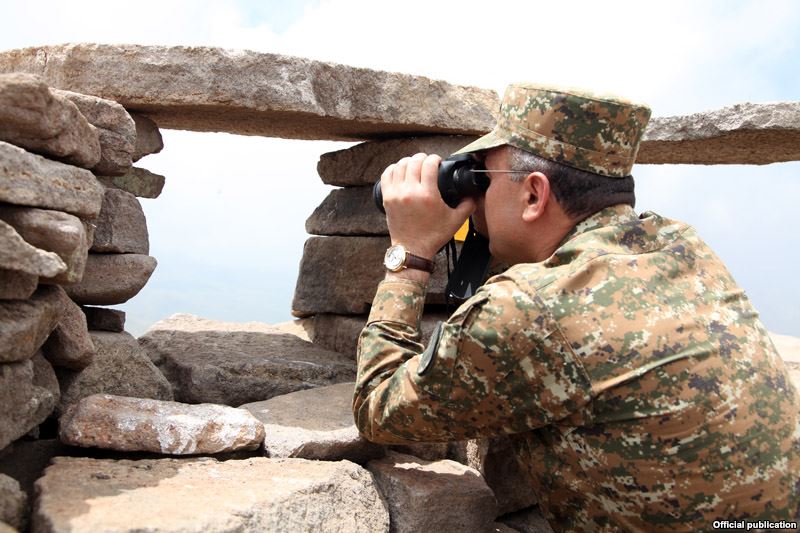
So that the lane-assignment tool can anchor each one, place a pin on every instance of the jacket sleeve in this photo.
(500, 365)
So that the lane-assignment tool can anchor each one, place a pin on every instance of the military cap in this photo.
(588, 131)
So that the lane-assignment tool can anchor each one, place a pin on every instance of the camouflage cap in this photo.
(597, 133)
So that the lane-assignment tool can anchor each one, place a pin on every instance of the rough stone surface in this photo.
(314, 424)
(233, 364)
(44, 376)
(299, 327)
(115, 129)
(349, 211)
(528, 520)
(183, 495)
(16, 285)
(16, 254)
(53, 231)
(13, 502)
(111, 279)
(134, 424)
(24, 404)
(25, 460)
(119, 367)
(148, 137)
(121, 226)
(340, 332)
(433, 496)
(69, 345)
(744, 133)
(101, 319)
(137, 181)
(364, 163)
(34, 118)
(210, 89)
(31, 180)
(26, 324)
(340, 275)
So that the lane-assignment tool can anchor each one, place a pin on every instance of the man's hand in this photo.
(416, 215)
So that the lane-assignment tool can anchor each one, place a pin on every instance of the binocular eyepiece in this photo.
(457, 180)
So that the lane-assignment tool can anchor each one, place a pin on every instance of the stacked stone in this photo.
(70, 235)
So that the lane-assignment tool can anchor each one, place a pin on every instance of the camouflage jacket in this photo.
(639, 387)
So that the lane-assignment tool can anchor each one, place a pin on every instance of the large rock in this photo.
(137, 181)
(528, 520)
(340, 275)
(119, 367)
(740, 134)
(364, 163)
(134, 424)
(433, 496)
(111, 279)
(16, 285)
(148, 137)
(13, 502)
(26, 324)
(23, 405)
(53, 231)
(34, 118)
(44, 376)
(251, 93)
(121, 226)
(314, 424)
(25, 460)
(16, 254)
(349, 211)
(115, 128)
(102, 319)
(69, 345)
(183, 495)
(233, 364)
(31, 180)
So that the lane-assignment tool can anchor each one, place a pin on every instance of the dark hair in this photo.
(580, 193)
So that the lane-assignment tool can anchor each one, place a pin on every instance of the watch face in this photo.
(394, 258)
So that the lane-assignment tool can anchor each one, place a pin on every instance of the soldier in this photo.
(632, 374)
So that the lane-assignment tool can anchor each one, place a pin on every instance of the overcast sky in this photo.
(228, 230)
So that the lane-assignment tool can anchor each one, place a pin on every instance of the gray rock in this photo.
(115, 128)
(134, 424)
(433, 496)
(340, 332)
(101, 319)
(148, 137)
(111, 279)
(16, 254)
(53, 231)
(121, 226)
(251, 93)
(349, 211)
(754, 134)
(528, 520)
(44, 376)
(23, 405)
(69, 345)
(137, 181)
(13, 502)
(16, 285)
(34, 118)
(31, 180)
(233, 364)
(119, 367)
(25, 461)
(364, 163)
(26, 324)
(190, 495)
(314, 424)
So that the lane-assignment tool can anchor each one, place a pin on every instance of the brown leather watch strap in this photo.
(418, 263)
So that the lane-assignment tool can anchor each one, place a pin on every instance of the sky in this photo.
(228, 229)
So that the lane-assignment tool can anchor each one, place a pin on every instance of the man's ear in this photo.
(536, 194)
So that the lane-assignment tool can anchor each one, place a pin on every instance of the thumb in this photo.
(465, 208)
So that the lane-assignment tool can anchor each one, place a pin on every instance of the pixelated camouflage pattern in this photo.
(593, 132)
(640, 388)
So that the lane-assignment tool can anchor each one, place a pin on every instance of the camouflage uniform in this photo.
(637, 383)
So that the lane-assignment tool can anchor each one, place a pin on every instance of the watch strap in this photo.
(418, 263)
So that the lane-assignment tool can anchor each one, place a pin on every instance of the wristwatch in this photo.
(397, 258)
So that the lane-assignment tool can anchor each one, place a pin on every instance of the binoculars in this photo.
(457, 180)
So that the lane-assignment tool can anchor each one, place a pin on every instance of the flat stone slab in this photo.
(148, 137)
(237, 363)
(24, 403)
(110, 279)
(102, 319)
(26, 324)
(137, 181)
(314, 424)
(121, 226)
(31, 180)
(69, 344)
(251, 93)
(348, 211)
(16, 254)
(16, 285)
(134, 424)
(190, 495)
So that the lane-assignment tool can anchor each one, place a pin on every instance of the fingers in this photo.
(429, 173)
(413, 168)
